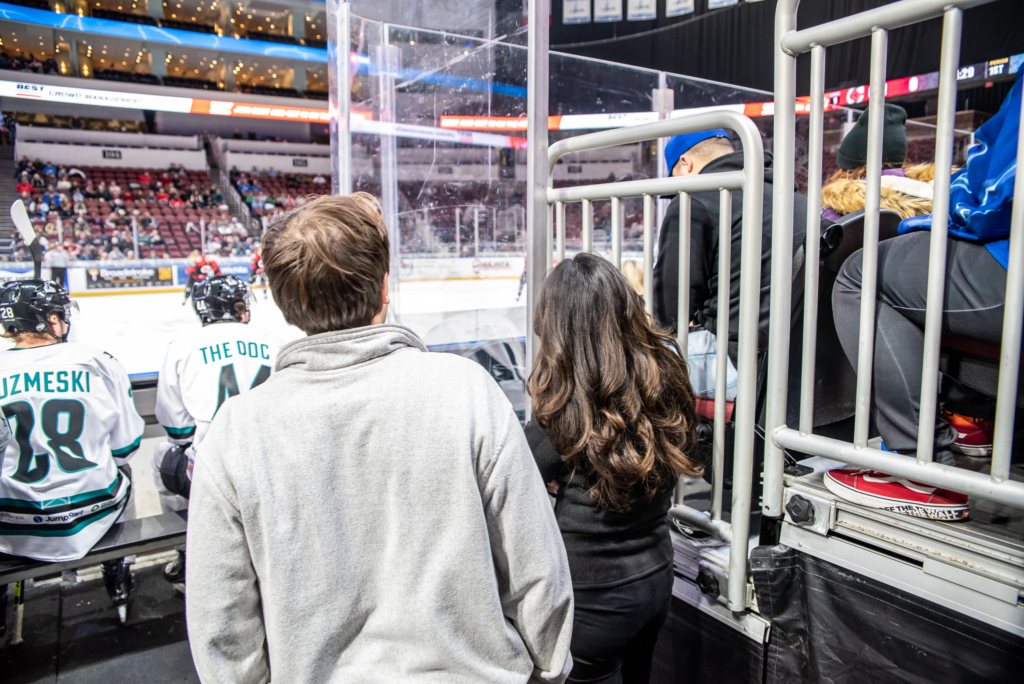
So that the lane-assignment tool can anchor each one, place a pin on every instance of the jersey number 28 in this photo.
(64, 445)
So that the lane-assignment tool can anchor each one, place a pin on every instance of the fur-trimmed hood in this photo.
(910, 196)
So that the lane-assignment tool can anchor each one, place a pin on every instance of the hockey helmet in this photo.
(217, 298)
(26, 305)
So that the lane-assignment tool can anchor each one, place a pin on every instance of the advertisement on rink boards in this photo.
(128, 277)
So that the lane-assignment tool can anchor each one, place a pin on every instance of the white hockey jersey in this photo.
(205, 368)
(74, 421)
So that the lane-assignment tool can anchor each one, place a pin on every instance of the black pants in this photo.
(614, 630)
(973, 307)
(57, 274)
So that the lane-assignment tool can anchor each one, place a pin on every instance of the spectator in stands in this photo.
(23, 186)
(712, 152)
(145, 179)
(155, 239)
(49, 170)
(252, 134)
(38, 182)
(981, 204)
(614, 429)
(115, 254)
(318, 179)
(906, 188)
(484, 567)
(76, 122)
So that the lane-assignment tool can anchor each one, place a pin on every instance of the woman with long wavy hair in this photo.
(614, 427)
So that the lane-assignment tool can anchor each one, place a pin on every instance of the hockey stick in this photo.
(24, 225)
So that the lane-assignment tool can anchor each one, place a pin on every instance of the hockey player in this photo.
(201, 371)
(65, 478)
(522, 281)
(202, 268)
(256, 274)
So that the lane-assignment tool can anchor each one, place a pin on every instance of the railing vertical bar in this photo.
(683, 316)
(950, 62)
(869, 267)
(721, 349)
(649, 253)
(1013, 321)
(782, 256)
(550, 247)
(560, 231)
(812, 246)
(588, 226)
(617, 232)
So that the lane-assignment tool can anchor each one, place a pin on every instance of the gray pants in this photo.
(975, 291)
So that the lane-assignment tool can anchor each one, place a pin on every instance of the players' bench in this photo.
(132, 537)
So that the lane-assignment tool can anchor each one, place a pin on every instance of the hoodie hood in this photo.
(346, 348)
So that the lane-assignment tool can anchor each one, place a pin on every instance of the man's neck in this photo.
(33, 343)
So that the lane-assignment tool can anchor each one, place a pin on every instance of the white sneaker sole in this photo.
(947, 513)
(984, 450)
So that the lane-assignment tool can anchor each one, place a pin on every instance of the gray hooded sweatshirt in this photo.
(372, 513)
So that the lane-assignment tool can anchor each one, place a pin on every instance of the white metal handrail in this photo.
(790, 43)
(751, 181)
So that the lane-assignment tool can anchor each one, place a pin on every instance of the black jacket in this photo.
(704, 216)
(605, 548)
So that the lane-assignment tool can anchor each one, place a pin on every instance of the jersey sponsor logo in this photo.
(45, 382)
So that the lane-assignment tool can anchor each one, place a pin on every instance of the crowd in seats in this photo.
(187, 26)
(124, 16)
(36, 4)
(270, 90)
(28, 63)
(95, 208)
(194, 83)
(125, 76)
(270, 193)
(273, 38)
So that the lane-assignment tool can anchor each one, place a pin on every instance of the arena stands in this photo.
(95, 208)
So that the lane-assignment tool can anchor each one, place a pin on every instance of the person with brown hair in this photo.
(371, 512)
(614, 427)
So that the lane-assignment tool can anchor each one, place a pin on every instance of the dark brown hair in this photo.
(326, 263)
(609, 388)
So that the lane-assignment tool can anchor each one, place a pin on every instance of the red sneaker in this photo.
(974, 435)
(877, 490)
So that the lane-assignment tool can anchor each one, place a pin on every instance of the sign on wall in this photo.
(675, 8)
(575, 11)
(111, 154)
(642, 10)
(135, 276)
(300, 162)
(607, 10)
(715, 4)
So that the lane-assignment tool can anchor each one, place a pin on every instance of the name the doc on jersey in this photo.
(50, 382)
(222, 351)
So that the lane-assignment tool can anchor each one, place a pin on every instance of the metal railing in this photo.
(751, 181)
(995, 486)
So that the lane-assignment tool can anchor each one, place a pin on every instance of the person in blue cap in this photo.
(712, 152)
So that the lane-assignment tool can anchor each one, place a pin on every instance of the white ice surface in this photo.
(136, 328)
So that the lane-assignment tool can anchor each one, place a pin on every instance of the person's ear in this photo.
(384, 290)
(685, 166)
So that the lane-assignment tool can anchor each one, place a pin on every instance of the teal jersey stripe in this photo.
(71, 531)
(180, 432)
(128, 449)
(42, 506)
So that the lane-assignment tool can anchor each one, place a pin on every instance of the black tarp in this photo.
(832, 625)
(696, 648)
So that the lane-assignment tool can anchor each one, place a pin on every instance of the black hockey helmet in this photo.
(218, 299)
(26, 305)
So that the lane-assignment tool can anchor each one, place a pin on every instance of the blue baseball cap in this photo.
(678, 145)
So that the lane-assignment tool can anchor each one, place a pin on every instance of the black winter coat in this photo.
(704, 215)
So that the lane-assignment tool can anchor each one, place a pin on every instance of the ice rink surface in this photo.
(136, 328)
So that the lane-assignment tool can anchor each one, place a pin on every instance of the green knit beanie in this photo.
(853, 153)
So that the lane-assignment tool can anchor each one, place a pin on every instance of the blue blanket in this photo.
(981, 193)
